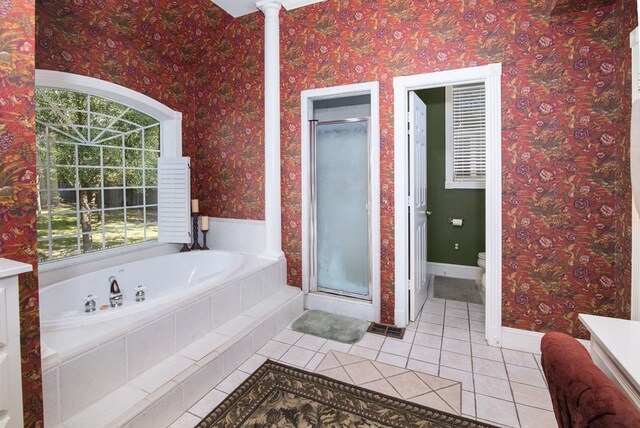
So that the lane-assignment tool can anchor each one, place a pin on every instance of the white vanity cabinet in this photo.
(10, 367)
(615, 349)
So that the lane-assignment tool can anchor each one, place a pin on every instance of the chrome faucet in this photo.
(90, 303)
(115, 295)
(140, 296)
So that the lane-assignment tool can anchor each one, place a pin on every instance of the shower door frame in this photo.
(357, 308)
(313, 262)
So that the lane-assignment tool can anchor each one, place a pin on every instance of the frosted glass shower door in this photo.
(341, 155)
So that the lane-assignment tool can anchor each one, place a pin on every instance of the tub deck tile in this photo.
(185, 376)
(203, 346)
(104, 412)
(161, 373)
(235, 325)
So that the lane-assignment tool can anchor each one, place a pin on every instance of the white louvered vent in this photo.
(466, 136)
(174, 200)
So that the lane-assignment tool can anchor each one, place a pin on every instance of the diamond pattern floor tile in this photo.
(434, 401)
(452, 396)
(329, 362)
(363, 372)
(502, 387)
(436, 382)
(409, 385)
(383, 387)
(388, 370)
(338, 373)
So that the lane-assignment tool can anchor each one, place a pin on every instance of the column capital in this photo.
(269, 6)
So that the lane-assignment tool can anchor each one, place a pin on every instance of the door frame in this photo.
(490, 75)
(634, 43)
(366, 310)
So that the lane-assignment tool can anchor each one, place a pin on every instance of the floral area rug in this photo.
(276, 395)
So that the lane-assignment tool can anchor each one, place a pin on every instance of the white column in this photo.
(273, 212)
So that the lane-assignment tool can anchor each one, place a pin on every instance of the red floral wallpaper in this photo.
(558, 7)
(565, 175)
(17, 184)
(191, 56)
(565, 180)
(149, 46)
(229, 165)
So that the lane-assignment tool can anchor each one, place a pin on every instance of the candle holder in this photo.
(204, 240)
(194, 219)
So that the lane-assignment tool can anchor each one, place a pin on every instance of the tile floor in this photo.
(413, 386)
(499, 386)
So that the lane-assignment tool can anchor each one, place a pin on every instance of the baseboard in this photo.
(455, 271)
(400, 315)
(527, 341)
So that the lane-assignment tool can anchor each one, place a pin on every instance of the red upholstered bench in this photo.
(582, 395)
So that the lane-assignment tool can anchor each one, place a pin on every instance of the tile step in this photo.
(161, 394)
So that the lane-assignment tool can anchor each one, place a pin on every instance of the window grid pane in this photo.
(87, 149)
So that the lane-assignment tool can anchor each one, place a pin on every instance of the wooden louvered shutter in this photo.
(174, 205)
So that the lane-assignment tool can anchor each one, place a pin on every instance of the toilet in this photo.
(482, 262)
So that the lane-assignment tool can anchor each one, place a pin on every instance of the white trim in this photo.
(242, 221)
(170, 120)
(606, 363)
(272, 176)
(359, 309)
(634, 43)
(490, 75)
(455, 271)
(527, 341)
(10, 267)
(307, 99)
(170, 131)
(295, 4)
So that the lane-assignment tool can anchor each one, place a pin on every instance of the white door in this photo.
(418, 278)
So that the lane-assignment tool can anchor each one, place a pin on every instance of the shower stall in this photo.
(341, 242)
(340, 250)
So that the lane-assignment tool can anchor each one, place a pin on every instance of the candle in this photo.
(195, 206)
(205, 223)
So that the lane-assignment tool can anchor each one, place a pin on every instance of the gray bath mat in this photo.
(462, 290)
(331, 326)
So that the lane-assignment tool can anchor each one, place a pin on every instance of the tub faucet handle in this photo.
(140, 294)
(90, 303)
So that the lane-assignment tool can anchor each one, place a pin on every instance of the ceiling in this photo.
(238, 8)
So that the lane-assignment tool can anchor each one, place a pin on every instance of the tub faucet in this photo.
(115, 295)
(140, 296)
(90, 303)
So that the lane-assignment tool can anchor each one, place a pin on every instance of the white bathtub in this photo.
(167, 279)
(206, 312)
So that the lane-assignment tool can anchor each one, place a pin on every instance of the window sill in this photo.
(464, 185)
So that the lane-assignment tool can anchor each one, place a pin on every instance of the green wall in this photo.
(467, 204)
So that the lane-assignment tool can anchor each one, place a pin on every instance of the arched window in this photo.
(97, 164)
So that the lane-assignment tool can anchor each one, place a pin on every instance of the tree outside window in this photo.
(97, 174)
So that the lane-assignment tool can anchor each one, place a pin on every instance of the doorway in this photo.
(404, 257)
(341, 157)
